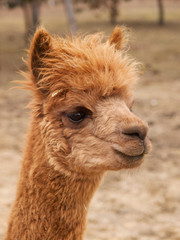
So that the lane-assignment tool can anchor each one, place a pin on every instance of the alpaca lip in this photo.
(138, 154)
(128, 157)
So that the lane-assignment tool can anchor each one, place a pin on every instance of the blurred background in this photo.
(140, 204)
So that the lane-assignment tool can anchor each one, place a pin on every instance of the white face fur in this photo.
(106, 136)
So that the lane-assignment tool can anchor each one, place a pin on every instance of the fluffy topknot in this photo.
(82, 63)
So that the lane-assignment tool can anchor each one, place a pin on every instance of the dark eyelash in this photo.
(79, 114)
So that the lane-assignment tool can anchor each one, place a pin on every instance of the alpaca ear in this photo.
(41, 45)
(117, 37)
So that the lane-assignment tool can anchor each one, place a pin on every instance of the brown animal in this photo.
(82, 125)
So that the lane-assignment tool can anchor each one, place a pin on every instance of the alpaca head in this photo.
(82, 102)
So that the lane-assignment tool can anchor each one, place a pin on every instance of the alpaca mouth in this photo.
(130, 158)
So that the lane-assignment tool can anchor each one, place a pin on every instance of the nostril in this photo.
(136, 132)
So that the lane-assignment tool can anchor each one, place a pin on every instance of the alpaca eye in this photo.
(76, 117)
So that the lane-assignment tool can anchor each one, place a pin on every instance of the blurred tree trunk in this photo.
(27, 19)
(71, 16)
(31, 11)
(35, 5)
(95, 3)
(161, 12)
(113, 11)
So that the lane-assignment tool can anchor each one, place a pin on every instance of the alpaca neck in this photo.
(49, 205)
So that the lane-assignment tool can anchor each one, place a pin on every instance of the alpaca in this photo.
(81, 126)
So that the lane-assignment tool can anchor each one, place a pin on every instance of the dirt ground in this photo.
(140, 204)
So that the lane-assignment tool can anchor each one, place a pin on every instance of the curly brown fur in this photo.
(81, 127)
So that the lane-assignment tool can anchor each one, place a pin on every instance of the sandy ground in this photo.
(141, 204)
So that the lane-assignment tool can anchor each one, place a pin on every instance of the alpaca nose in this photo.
(136, 132)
